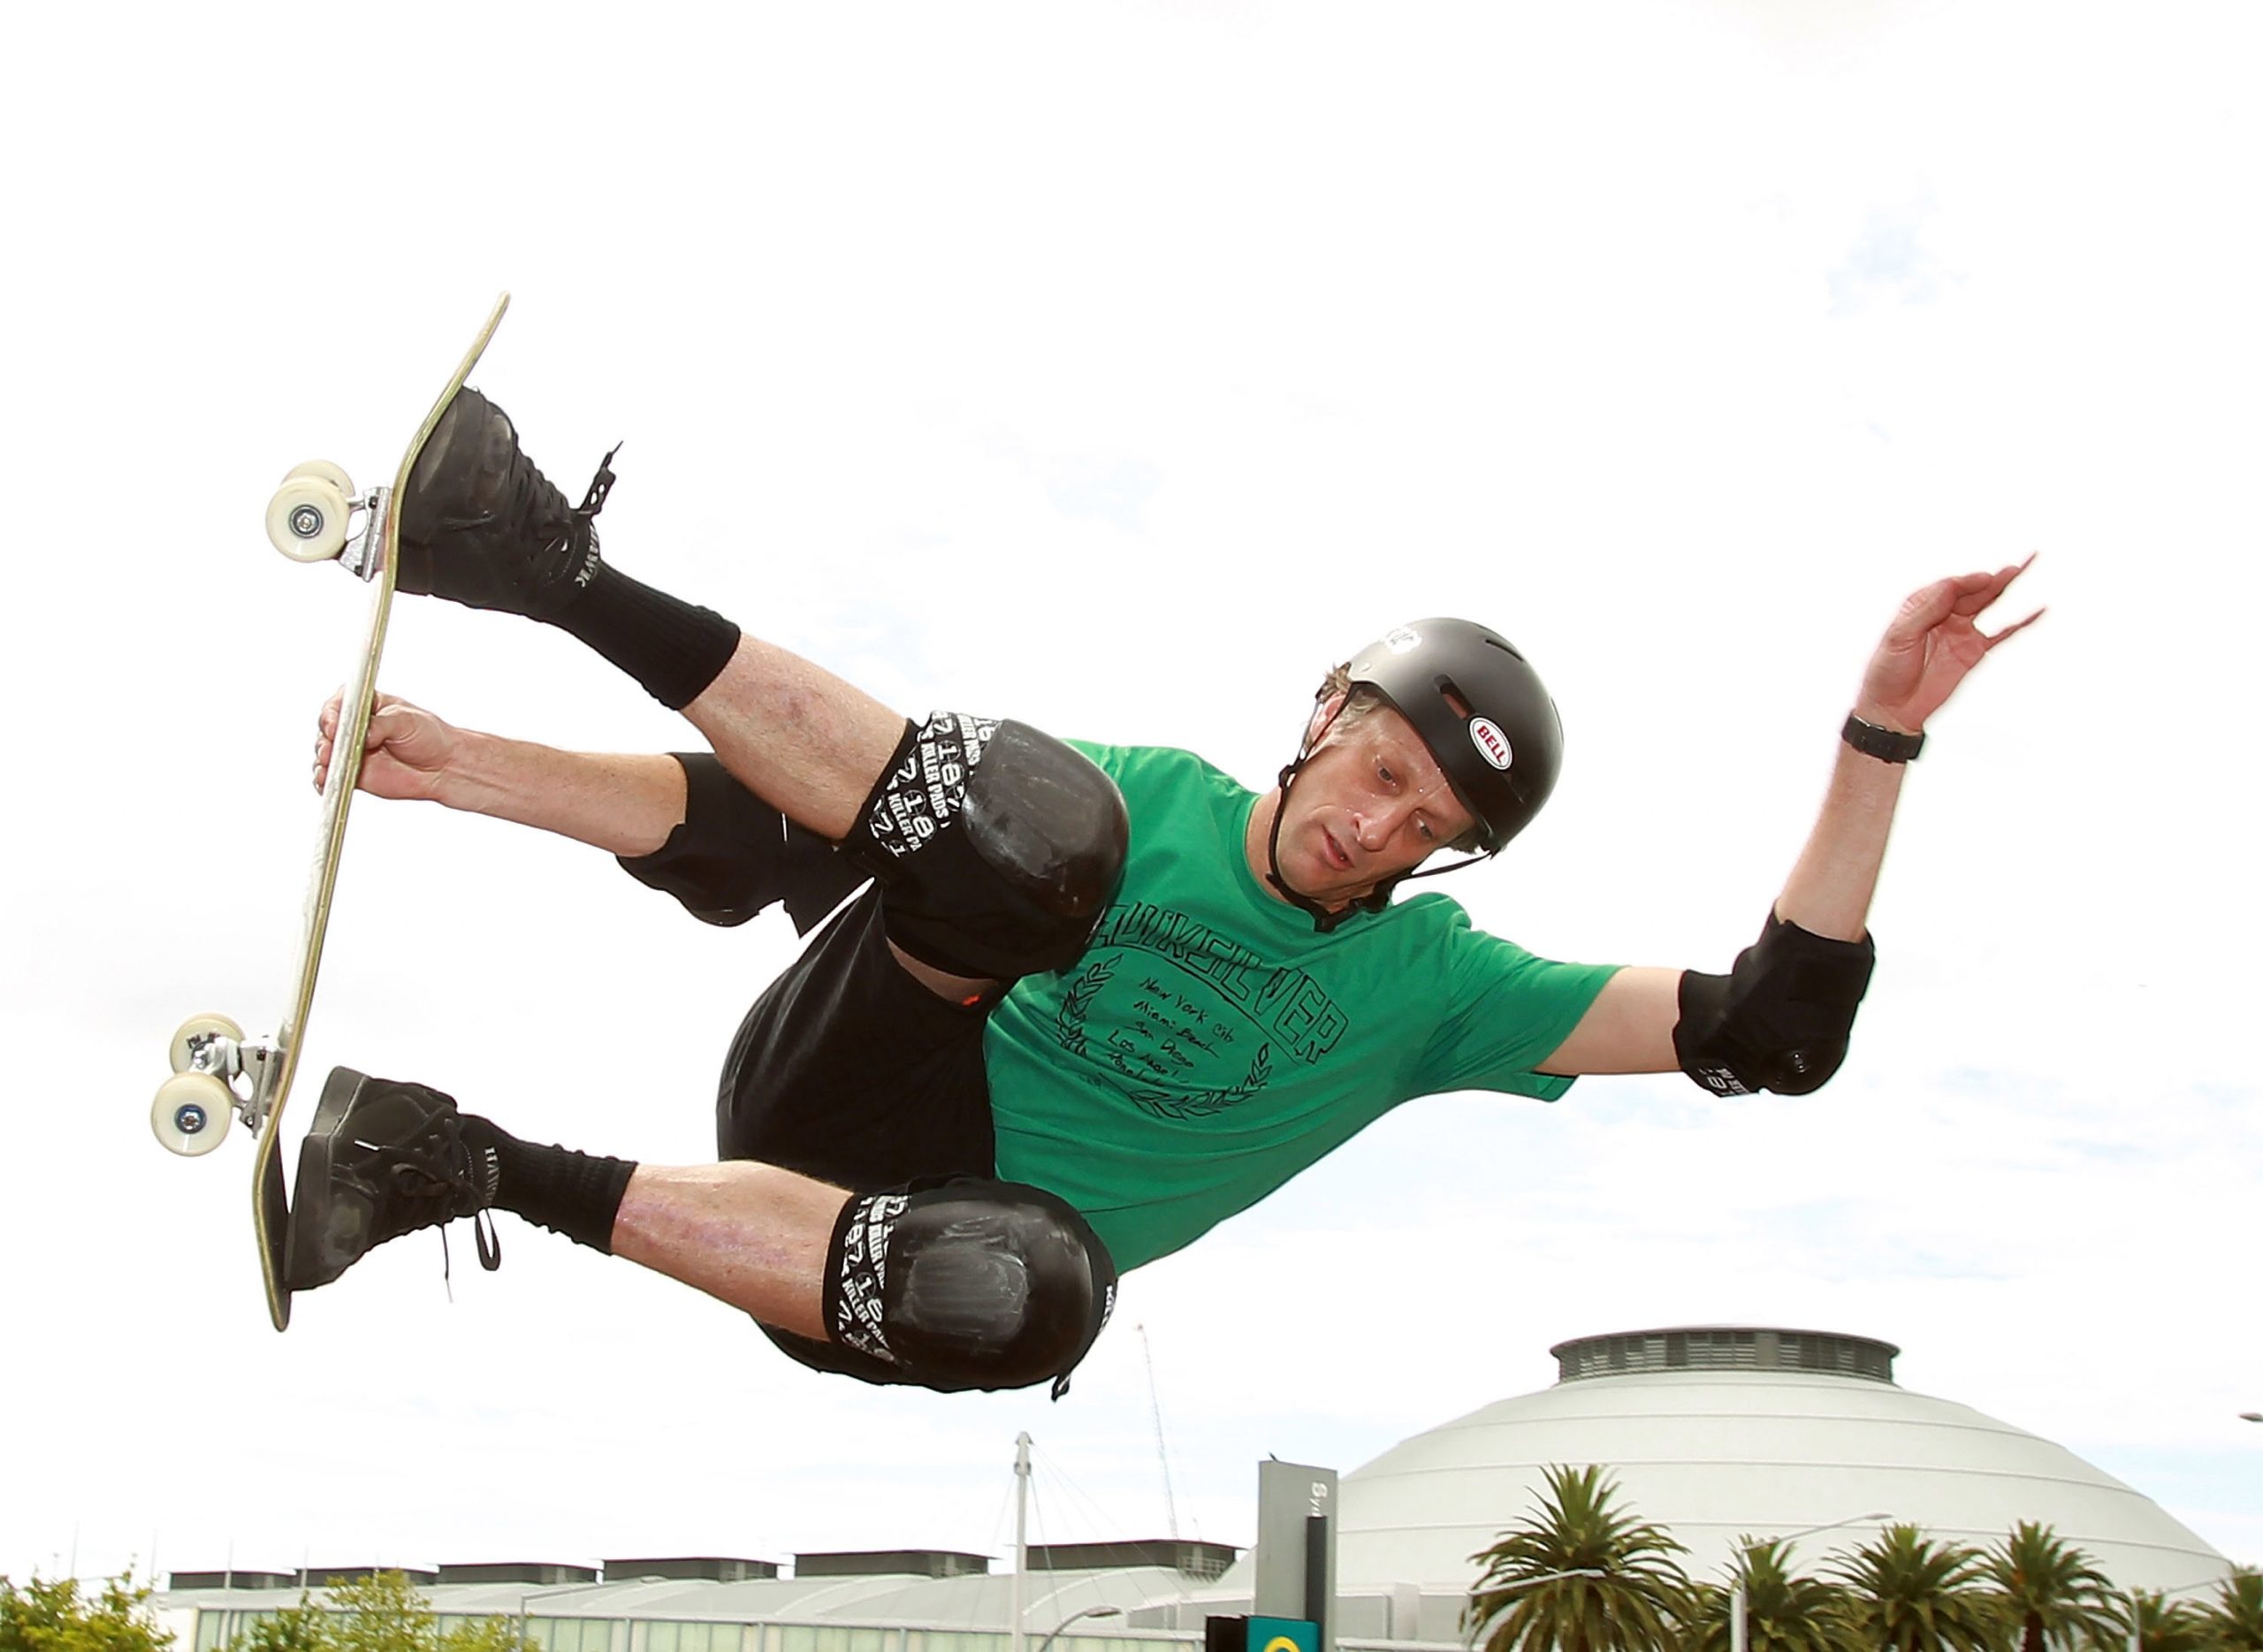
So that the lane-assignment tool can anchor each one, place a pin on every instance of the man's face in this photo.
(1369, 803)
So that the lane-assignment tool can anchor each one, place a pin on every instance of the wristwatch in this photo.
(1887, 745)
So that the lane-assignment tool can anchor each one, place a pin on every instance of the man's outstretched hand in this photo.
(406, 755)
(1932, 644)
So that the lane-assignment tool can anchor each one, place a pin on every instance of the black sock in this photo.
(671, 648)
(577, 1194)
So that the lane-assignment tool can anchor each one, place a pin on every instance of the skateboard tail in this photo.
(274, 1229)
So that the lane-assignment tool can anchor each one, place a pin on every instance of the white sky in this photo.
(1117, 367)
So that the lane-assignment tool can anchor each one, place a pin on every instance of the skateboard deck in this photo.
(217, 1070)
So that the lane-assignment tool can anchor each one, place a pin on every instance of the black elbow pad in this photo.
(1780, 1019)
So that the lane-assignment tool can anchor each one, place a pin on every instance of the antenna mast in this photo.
(1163, 1454)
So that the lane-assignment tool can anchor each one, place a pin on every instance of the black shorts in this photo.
(849, 1070)
(846, 1069)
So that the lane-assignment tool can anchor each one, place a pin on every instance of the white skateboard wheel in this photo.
(333, 473)
(191, 1114)
(306, 520)
(200, 1027)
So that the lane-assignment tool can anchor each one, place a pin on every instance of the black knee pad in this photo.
(968, 1284)
(996, 846)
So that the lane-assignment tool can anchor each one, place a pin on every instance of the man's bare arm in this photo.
(1628, 1029)
(1933, 643)
(626, 804)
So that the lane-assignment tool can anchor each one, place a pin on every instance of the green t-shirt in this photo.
(1211, 1043)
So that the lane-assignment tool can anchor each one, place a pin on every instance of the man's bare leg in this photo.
(964, 1284)
(805, 741)
(483, 526)
(751, 1235)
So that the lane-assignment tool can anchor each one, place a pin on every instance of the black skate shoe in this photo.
(482, 526)
(381, 1160)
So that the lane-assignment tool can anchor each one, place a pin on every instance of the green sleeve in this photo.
(1507, 1011)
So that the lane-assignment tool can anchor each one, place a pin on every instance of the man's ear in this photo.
(1324, 715)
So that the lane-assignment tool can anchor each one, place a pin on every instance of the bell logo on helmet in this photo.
(1402, 639)
(1492, 743)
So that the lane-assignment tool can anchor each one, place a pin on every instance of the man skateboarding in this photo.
(1092, 999)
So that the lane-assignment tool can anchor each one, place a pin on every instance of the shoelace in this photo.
(601, 485)
(580, 532)
(482, 1237)
(411, 1176)
(524, 489)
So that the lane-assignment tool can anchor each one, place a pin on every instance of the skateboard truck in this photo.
(363, 553)
(312, 519)
(212, 1060)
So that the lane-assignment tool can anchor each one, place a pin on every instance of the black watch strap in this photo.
(1887, 745)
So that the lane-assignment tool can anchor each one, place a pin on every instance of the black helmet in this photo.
(1480, 708)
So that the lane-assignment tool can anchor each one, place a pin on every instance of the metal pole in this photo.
(1739, 1632)
(1021, 1540)
(1155, 1401)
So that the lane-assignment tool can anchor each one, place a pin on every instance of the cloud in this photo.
(1891, 263)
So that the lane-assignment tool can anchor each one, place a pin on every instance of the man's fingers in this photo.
(1973, 592)
(334, 706)
(2015, 629)
(1962, 596)
(1923, 610)
(392, 722)
(1982, 590)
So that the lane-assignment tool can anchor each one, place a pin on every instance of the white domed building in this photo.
(1715, 1433)
(1718, 1433)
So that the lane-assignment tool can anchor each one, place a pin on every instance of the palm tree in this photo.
(2050, 1592)
(1638, 1605)
(2235, 1620)
(2166, 1627)
(1908, 1593)
(1782, 1613)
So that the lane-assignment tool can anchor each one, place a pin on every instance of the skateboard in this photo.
(315, 516)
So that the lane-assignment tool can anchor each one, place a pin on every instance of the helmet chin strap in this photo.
(1323, 919)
